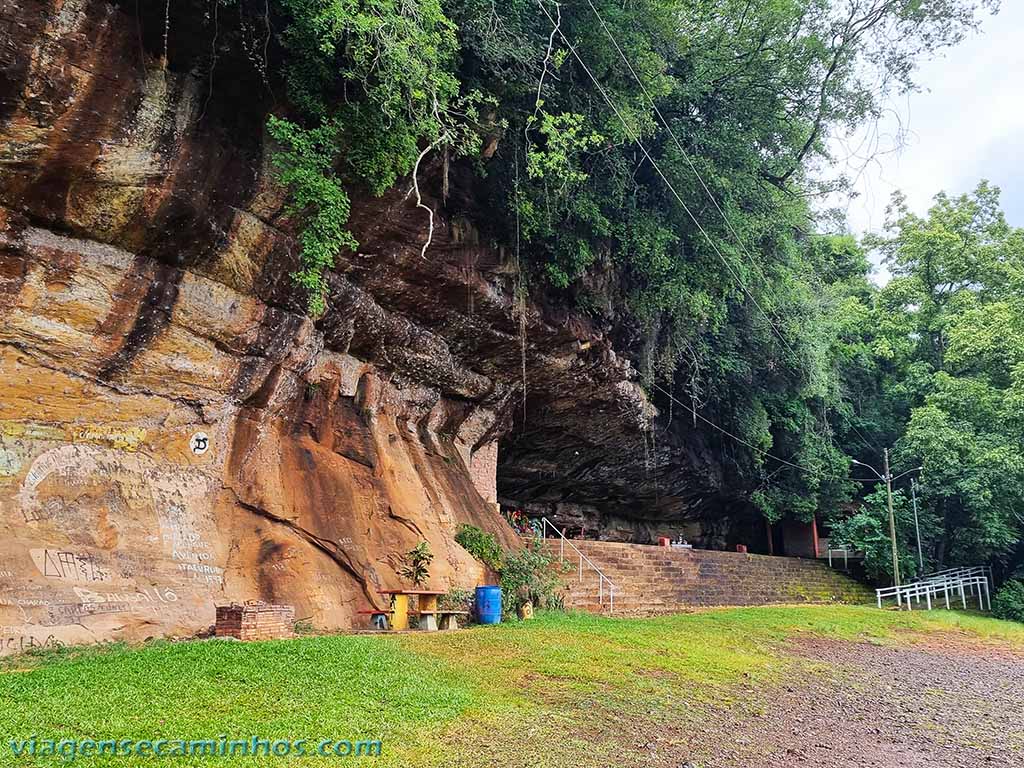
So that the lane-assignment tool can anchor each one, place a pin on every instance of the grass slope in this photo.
(563, 690)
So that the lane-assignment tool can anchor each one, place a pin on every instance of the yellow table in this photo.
(400, 607)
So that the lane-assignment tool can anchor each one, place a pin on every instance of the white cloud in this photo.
(967, 124)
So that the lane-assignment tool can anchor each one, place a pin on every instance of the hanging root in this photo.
(522, 347)
(520, 291)
(213, 59)
(419, 198)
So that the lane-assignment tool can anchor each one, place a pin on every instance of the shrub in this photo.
(1009, 601)
(527, 576)
(304, 627)
(456, 599)
(481, 545)
(416, 561)
(867, 531)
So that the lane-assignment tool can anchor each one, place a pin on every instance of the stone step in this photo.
(650, 580)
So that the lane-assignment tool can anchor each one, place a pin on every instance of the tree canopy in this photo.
(946, 334)
(656, 165)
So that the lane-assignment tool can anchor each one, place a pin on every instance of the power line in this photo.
(635, 138)
(700, 178)
(682, 151)
(711, 242)
(740, 439)
(864, 440)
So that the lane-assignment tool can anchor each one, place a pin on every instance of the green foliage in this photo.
(528, 575)
(305, 627)
(481, 545)
(371, 81)
(456, 600)
(1009, 601)
(949, 342)
(867, 531)
(566, 140)
(750, 102)
(396, 57)
(305, 165)
(416, 563)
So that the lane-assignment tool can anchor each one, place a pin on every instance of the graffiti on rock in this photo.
(69, 566)
(13, 644)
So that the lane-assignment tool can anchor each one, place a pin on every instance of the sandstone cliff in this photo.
(175, 432)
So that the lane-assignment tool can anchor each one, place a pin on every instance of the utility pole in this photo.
(887, 478)
(917, 525)
(892, 521)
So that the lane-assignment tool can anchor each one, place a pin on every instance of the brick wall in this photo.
(255, 621)
(652, 580)
(483, 469)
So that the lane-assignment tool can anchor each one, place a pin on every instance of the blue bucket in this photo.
(488, 605)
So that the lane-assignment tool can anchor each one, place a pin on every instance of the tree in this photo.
(867, 531)
(950, 334)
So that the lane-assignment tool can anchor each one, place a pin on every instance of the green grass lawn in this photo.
(562, 690)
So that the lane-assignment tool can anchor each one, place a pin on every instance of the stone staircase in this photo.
(657, 580)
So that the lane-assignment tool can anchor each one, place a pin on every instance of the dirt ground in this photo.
(950, 703)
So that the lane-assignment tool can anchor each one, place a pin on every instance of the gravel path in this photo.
(935, 704)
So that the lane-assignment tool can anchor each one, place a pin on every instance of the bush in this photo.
(867, 531)
(481, 545)
(1009, 601)
(456, 599)
(527, 576)
(416, 563)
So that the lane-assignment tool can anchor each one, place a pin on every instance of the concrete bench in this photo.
(450, 619)
(378, 619)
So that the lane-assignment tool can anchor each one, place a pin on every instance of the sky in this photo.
(966, 124)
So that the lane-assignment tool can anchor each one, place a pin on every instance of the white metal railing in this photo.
(840, 550)
(973, 581)
(963, 571)
(601, 578)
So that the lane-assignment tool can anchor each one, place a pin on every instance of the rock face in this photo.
(138, 487)
(176, 432)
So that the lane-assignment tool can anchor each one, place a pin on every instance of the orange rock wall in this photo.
(318, 473)
(145, 303)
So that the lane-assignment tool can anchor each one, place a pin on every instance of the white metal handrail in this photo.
(846, 556)
(963, 580)
(965, 572)
(601, 578)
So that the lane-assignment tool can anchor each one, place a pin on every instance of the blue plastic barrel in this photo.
(488, 605)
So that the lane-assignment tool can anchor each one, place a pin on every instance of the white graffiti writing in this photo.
(154, 595)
